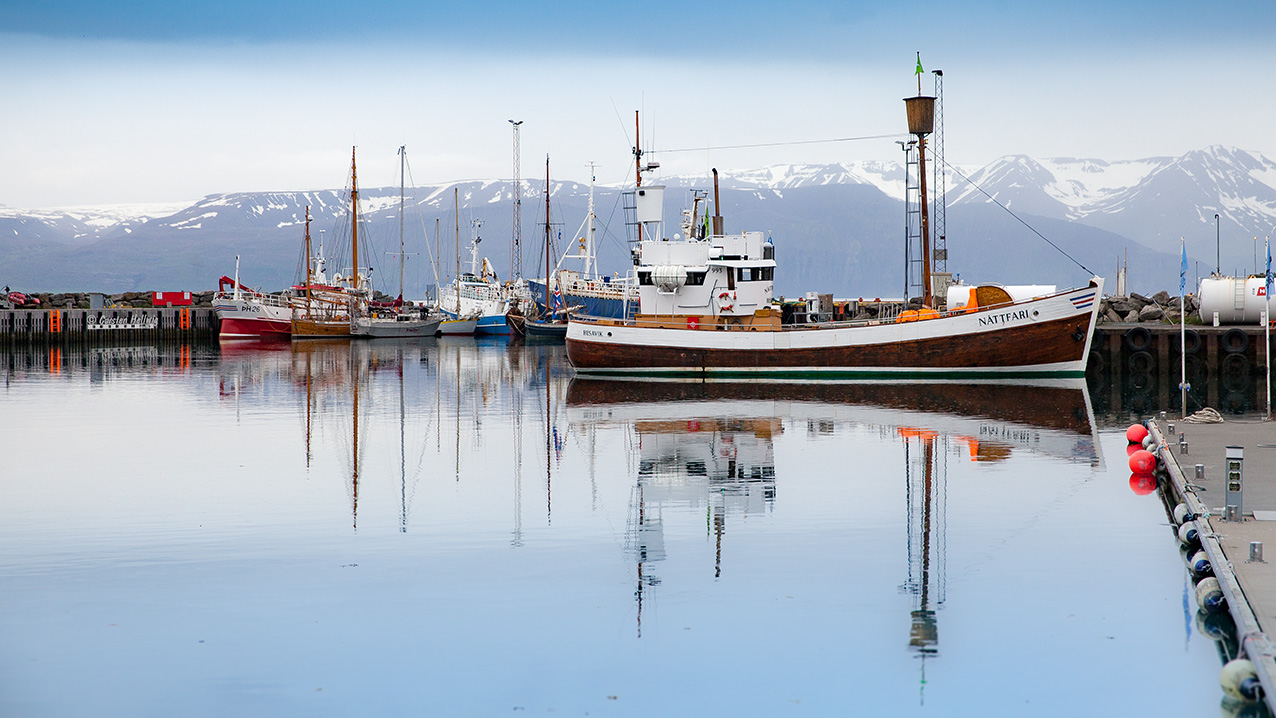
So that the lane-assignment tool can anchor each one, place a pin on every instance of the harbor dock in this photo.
(1195, 457)
(62, 326)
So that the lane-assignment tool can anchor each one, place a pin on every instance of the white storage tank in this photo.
(1237, 300)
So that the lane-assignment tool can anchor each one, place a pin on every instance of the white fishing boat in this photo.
(705, 307)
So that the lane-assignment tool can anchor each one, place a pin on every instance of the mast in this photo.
(637, 165)
(403, 158)
(591, 267)
(456, 216)
(354, 221)
(921, 122)
(547, 309)
(308, 263)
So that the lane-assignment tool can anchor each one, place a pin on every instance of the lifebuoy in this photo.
(726, 307)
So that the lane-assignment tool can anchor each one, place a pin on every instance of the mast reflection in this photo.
(710, 444)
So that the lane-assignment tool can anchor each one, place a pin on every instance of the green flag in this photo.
(919, 64)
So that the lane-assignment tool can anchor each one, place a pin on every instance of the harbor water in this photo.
(461, 527)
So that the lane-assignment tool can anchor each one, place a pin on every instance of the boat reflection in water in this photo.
(711, 444)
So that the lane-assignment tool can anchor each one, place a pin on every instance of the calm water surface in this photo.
(462, 528)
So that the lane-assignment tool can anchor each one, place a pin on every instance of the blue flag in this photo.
(1183, 269)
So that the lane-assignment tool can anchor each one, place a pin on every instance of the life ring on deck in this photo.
(726, 307)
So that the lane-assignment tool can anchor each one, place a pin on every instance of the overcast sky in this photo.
(155, 101)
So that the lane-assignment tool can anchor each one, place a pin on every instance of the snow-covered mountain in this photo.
(839, 226)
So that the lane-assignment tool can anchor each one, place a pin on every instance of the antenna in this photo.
(516, 252)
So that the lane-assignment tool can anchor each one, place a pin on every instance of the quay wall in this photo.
(91, 326)
(1138, 366)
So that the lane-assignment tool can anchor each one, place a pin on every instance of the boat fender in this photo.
(1200, 566)
(1142, 462)
(1182, 514)
(1209, 596)
(1216, 627)
(1239, 680)
(1189, 534)
(1138, 339)
(1135, 433)
(1235, 341)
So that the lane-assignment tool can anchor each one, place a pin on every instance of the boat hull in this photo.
(457, 326)
(246, 319)
(1041, 337)
(392, 329)
(492, 324)
(320, 328)
(547, 330)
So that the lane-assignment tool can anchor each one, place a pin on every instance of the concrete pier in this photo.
(1249, 585)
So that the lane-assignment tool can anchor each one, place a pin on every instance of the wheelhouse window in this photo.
(696, 279)
(644, 278)
(754, 274)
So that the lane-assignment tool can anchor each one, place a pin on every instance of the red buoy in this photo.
(1142, 462)
(1142, 484)
(1136, 433)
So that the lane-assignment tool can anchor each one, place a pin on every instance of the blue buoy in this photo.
(1199, 564)
(1209, 596)
(1240, 681)
(1189, 535)
(1182, 514)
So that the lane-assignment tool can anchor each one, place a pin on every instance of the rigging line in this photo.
(1017, 217)
(785, 144)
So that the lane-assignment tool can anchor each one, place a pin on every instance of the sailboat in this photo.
(553, 324)
(458, 318)
(333, 314)
(394, 320)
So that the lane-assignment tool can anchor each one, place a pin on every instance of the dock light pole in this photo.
(1218, 265)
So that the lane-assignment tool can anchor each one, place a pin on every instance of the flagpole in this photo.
(1267, 322)
(1183, 327)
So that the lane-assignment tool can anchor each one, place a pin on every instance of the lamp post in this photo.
(1218, 265)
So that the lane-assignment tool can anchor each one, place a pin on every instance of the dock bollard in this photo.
(1231, 512)
(1171, 427)
(1256, 551)
(1200, 471)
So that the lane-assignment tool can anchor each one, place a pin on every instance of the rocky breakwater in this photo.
(80, 300)
(1159, 308)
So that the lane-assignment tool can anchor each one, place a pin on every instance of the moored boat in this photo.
(705, 307)
(246, 313)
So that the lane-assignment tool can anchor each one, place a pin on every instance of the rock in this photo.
(1131, 316)
(1110, 316)
(1151, 313)
(1121, 306)
(1161, 297)
(1139, 301)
